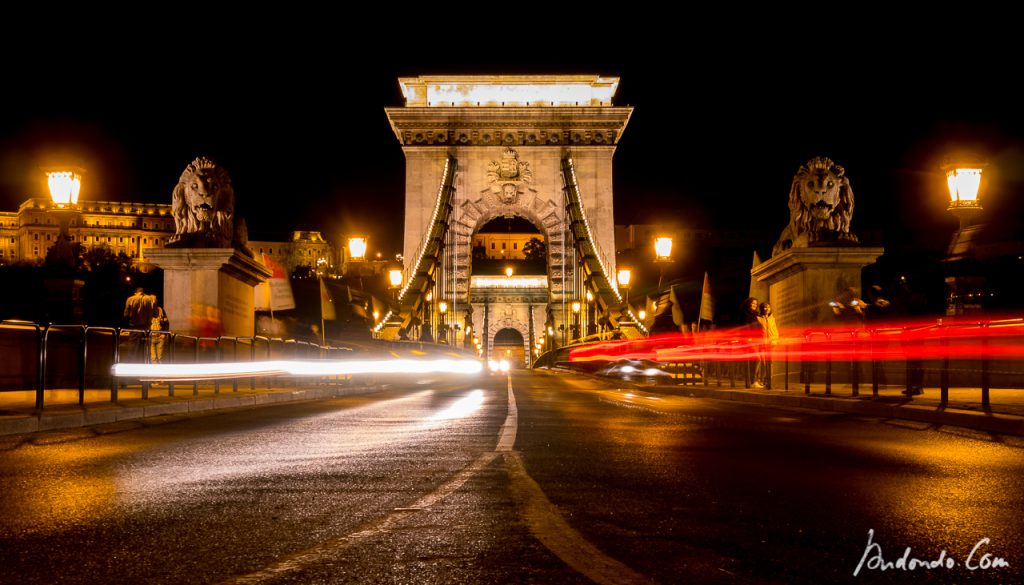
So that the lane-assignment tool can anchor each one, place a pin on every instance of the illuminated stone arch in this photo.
(514, 323)
(542, 211)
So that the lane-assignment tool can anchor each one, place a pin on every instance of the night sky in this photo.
(713, 142)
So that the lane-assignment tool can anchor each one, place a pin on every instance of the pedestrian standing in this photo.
(766, 317)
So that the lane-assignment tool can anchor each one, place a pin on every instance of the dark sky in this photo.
(717, 133)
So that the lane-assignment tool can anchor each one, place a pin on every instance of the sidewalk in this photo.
(62, 411)
(1005, 416)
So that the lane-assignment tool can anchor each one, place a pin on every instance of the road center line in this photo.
(543, 518)
(551, 529)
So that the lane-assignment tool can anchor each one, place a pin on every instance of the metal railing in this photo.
(982, 355)
(37, 356)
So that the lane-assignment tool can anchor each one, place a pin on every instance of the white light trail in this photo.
(295, 368)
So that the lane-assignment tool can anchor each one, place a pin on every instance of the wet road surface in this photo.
(457, 480)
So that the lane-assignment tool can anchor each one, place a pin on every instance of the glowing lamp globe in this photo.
(64, 187)
(357, 248)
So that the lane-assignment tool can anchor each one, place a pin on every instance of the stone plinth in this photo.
(209, 291)
(802, 281)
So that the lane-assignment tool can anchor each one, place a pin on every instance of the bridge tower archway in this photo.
(508, 139)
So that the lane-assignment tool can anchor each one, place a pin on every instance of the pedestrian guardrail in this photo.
(977, 354)
(49, 356)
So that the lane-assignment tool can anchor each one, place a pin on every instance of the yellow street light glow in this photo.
(575, 306)
(430, 295)
(551, 331)
(293, 368)
(64, 187)
(508, 272)
(376, 315)
(963, 186)
(443, 307)
(624, 277)
(642, 314)
(469, 329)
(395, 276)
(357, 248)
(590, 296)
(663, 248)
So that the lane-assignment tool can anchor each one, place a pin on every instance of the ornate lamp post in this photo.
(65, 301)
(357, 249)
(356, 253)
(65, 185)
(965, 290)
(395, 279)
(624, 276)
(442, 308)
(576, 320)
(662, 255)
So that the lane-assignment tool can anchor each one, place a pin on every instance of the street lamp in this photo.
(442, 308)
(65, 185)
(395, 277)
(624, 276)
(65, 300)
(576, 319)
(508, 272)
(357, 249)
(963, 182)
(662, 255)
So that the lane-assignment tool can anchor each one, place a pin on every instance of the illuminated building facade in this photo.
(122, 227)
(130, 228)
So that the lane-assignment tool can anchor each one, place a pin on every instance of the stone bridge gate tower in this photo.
(508, 138)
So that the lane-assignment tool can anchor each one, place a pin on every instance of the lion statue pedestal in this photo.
(209, 272)
(209, 291)
(803, 281)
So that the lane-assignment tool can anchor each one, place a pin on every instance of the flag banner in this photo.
(677, 307)
(707, 302)
(327, 312)
(276, 293)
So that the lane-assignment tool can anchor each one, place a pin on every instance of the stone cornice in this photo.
(799, 259)
(512, 126)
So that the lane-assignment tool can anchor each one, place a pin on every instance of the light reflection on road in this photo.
(343, 439)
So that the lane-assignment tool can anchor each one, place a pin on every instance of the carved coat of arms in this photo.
(508, 176)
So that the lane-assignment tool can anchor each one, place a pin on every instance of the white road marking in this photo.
(543, 518)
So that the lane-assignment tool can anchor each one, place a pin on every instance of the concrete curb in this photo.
(982, 421)
(108, 413)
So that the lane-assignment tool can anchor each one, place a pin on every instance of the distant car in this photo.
(633, 370)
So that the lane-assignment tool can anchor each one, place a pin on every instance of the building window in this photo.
(515, 245)
(35, 237)
(492, 245)
(503, 245)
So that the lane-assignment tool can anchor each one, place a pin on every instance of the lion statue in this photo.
(203, 206)
(820, 207)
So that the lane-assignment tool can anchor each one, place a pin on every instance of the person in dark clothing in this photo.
(139, 311)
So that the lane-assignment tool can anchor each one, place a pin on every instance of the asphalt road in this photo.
(566, 480)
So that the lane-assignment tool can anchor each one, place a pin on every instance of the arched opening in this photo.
(508, 345)
(509, 242)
